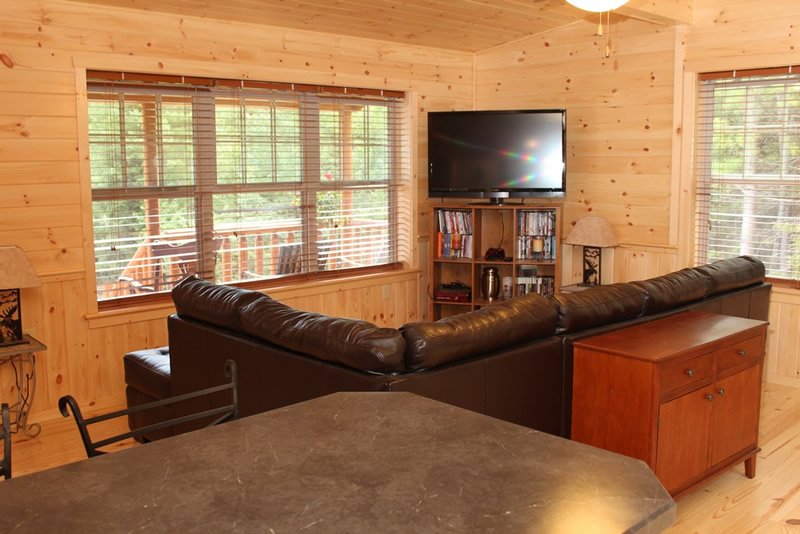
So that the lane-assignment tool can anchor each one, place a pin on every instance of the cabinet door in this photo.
(683, 439)
(736, 409)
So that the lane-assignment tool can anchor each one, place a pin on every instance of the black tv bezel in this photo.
(495, 194)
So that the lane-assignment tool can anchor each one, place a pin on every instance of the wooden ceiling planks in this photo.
(462, 25)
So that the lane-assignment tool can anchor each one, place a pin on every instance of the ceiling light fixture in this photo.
(597, 6)
(600, 6)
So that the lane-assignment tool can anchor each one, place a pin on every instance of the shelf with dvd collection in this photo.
(517, 242)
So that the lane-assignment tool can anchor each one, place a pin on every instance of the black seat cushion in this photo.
(149, 372)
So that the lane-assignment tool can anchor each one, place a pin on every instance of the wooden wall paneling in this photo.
(75, 335)
(663, 12)
(620, 116)
(634, 265)
(783, 336)
(678, 146)
(42, 105)
(38, 149)
(574, 257)
(35, 217)
(413, 290)
(423, 284)
(788, 320)
(742, 34)
(24, 80)
(34, 195)
(771, 357)
(21, 55)
(23, 126)
(44, 239)
(38, 172)
(103, 346)
(52, 367)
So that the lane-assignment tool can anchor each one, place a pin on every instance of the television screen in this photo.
(497, 154)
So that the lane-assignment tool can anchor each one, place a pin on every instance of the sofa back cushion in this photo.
(597, 306)
(491, 328)
(672, 290)
(732, 273)
(219, 305)
(355, 343)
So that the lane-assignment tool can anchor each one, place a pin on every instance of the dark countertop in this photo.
(347, 462)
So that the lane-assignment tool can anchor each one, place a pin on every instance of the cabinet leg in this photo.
(750, 467)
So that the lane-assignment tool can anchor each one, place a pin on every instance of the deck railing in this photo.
(248, 254)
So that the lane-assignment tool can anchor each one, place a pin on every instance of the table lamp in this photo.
(593, 233)
(15, 272)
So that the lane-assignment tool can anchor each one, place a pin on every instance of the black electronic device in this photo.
(495, 254)
(453, 292)
(456, 285)
(497, 154)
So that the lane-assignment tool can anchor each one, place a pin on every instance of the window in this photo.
(241, 181)
(747, 169)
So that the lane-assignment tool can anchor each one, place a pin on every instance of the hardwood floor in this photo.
(59, 442)
(730, 504)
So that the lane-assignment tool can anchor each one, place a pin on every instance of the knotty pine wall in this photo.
(619, 131)
(45, 45)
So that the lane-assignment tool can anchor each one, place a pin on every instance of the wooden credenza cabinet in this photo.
(681, 393)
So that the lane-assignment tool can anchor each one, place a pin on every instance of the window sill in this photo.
(150, 311)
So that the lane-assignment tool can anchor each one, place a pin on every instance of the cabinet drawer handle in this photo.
(709, 396)
(741, 352)
(721, 391)
(690, 372)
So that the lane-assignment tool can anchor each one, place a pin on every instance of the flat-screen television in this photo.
(497, 154)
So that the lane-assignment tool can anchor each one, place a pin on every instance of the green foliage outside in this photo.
(755, 166)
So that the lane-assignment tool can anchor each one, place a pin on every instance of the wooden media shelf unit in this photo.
(462, 234)
(681, 393)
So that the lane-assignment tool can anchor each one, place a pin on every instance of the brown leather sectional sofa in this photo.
(511, 360)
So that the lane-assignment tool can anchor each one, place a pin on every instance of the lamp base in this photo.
(591, 266)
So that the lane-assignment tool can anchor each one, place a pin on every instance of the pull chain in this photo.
(608, 32)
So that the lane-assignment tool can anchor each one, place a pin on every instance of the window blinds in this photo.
(241, 181)
(747, 168)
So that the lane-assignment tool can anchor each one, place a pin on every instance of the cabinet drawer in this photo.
(745, 351)
(675, 376)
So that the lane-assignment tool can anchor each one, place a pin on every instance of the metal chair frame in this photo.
(224, 413)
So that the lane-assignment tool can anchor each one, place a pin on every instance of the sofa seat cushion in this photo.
(597, 306)
(491, 328)
(355, 343)
(732, 273)
(672, 290)
(219, 305)
(148, 371)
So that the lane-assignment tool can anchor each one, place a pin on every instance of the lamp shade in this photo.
(592, 231)
(597, 5)
(15, 269)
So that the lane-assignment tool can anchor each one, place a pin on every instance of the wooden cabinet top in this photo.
(671, 337)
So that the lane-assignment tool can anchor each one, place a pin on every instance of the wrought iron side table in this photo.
(22, 359)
